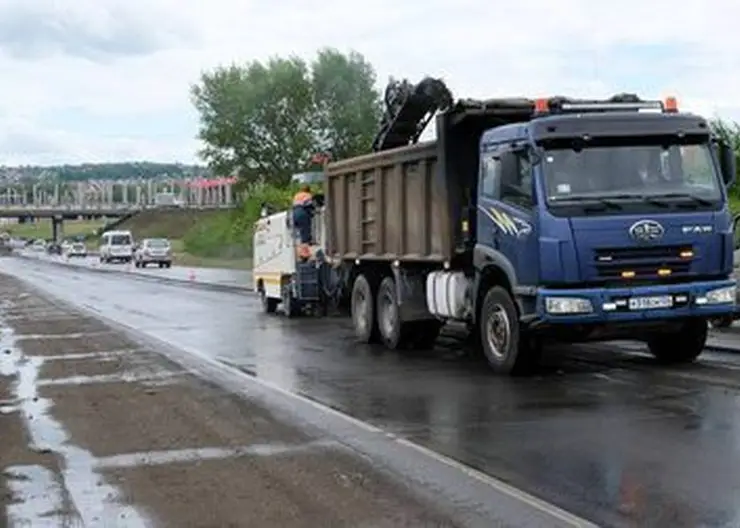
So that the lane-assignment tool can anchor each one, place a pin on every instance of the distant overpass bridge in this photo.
(109, 198)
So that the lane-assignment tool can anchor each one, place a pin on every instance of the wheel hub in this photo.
(498, 332)
(388, 315)
(360, 312)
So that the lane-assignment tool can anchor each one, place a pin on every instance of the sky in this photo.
(108, 80)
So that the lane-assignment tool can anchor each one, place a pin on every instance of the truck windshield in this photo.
(615, 176)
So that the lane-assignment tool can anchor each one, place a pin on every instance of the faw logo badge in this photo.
(646, 231)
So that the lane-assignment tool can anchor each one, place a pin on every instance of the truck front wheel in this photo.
(362, 306)
(500, 335)
(683, 346)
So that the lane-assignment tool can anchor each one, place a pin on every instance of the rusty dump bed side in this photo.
(390, 205)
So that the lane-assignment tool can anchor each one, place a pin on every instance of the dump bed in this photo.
(390, 205)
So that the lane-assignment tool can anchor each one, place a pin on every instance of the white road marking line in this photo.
(126, 377)
(78, 335)
(157, 458)
(93, 355)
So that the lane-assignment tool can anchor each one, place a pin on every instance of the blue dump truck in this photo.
(532, 221)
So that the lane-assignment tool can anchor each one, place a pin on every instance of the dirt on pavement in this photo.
(97, 431)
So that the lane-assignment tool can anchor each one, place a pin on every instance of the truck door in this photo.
(507, 209)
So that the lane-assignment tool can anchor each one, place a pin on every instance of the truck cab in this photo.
(609, 220)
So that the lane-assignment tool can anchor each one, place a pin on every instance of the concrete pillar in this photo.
(57, 228)
(229, 194)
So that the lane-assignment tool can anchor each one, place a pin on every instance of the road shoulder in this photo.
(102, 430)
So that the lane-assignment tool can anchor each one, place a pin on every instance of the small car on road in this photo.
(75, 249)
(153, 251)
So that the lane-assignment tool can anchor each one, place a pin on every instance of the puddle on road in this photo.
(96, 502)
(42, 497)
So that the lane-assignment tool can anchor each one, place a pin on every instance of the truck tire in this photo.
(291, 305)
(362, 307)
(683, 346)
(394, 333)
(500, 337)
(722, 322)
(269, 305)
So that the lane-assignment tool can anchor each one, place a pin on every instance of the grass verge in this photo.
(42, 228)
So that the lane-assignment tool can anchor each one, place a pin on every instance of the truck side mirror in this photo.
(727, 162)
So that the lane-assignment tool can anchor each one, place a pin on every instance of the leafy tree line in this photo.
(101, 171)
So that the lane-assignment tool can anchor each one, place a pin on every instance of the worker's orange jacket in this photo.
(302, 198)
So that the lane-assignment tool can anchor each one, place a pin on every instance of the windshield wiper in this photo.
(693, 197)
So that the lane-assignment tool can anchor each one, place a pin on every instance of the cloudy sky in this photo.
(100, 80)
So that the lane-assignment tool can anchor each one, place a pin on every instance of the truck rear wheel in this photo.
(683, 346)
(269, 305)
(500, 337)
(362, 306)
(291, 305)
(394, 332)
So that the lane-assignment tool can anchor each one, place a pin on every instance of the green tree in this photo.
(348, 107)
(265, 121)
(729, 131)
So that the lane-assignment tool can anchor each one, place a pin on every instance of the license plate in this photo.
(648, 303)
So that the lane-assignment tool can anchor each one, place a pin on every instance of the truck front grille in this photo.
(654, 262)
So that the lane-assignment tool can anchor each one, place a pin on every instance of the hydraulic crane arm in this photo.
(408, 110)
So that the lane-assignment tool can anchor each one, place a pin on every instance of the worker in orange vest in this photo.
(302, 213)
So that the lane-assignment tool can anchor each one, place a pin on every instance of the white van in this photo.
(116, 245)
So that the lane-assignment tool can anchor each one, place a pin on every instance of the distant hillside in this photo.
(102, 171)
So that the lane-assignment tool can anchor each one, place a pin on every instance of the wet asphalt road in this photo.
(219, 277)
(602, 431)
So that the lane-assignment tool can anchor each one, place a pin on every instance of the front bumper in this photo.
(154, 258)
(688, 303)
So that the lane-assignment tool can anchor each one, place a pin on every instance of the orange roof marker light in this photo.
(671, 105)
(541, 106)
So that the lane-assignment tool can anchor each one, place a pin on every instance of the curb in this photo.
(726, 349)
(151, 278)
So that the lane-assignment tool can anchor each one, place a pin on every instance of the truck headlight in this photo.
(567, 305)
(724, 295)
